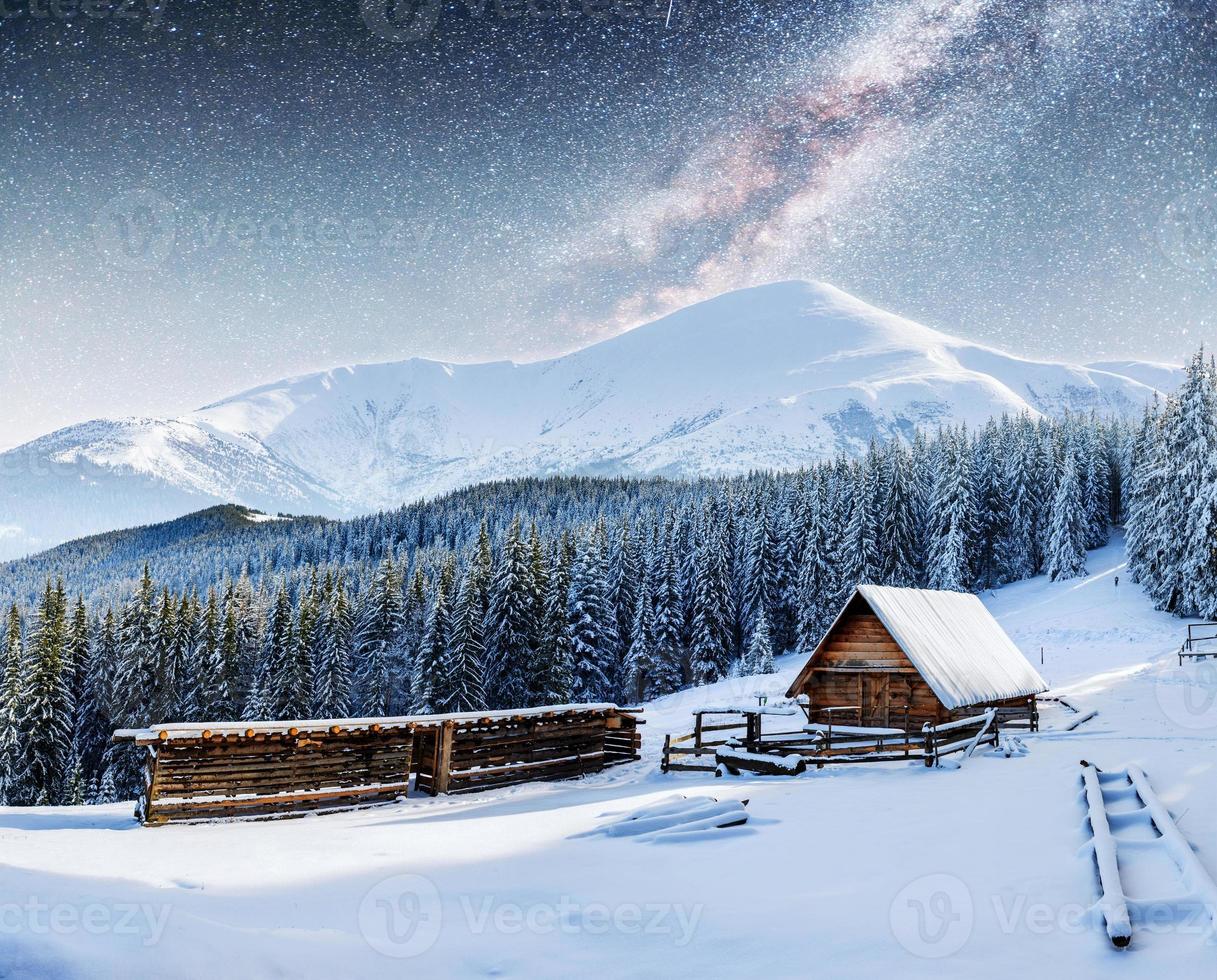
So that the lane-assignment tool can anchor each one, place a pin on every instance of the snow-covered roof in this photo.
(953, 641)
(193, 730)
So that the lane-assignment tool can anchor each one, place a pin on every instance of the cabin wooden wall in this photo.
(861, 664)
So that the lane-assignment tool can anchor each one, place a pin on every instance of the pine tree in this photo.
(93, 724)
(758, 659)
(332, 677)
(953, 519)
(1067, 535)
(552, 669)
(430, 686)
(711, 648)
(46, 704)
(463, 662)
(510, 626)
(592, 623)
(11, 684)
(380, 652)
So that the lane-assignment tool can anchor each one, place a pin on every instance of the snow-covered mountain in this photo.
(770, 377)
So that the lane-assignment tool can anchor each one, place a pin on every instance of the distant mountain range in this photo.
(770, 377)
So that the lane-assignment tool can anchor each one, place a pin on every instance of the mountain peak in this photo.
(768, 377)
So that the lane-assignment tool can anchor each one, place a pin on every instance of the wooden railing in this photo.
(1194, 636)
(964, 735)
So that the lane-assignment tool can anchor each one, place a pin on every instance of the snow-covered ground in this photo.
(859, 871)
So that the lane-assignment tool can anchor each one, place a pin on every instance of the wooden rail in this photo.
(963, 735)
(271, 769)
(1189, 651)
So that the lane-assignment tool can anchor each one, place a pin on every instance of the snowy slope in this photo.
(770, 377)
(856, 871)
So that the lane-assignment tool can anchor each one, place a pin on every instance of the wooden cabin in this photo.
(904, 657)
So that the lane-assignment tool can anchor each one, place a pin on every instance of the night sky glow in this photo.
(199, 197)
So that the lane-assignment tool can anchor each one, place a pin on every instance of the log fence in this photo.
(270, 769)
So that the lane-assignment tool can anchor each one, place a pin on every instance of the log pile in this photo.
(289, 768)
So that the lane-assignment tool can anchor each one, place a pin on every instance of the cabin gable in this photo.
(859, 662)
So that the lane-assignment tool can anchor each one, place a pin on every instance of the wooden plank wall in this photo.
(861, 664)
(487, 753)
(271, 774)
(263, 773)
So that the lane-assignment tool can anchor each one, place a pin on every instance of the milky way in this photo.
(199, 197)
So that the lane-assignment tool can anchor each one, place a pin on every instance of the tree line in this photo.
(540, 592)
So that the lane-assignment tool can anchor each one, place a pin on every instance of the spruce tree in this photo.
(1067, 535)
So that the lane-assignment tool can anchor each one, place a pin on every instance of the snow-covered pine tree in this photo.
(898, 533)
(1066, 557)
(592, 621)
(279, 680)
(758, 659)
(463, 664)
(46, 704)
(93, 724)
(711, 649)
(429, 690)
(510, 626)
(379, 651)
(332, 677)
(952, 516)
(642, 648)
(1196, 474)
(11, 684)
(664, 671)
(1015, 555)
(551, 670)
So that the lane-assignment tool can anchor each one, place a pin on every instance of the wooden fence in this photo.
(1198, 633)
(270, 769)
(831, 743)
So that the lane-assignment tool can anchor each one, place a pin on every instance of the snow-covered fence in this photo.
(266, 772)
(963, 735)
(471, 753)
(268, 769)
(1198, 633)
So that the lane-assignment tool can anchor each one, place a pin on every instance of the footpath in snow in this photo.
(854, 871)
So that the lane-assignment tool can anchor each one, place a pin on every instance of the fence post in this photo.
(667, 745)
(443, 759)
(928, 730)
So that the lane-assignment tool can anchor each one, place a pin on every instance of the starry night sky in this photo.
(201, 197)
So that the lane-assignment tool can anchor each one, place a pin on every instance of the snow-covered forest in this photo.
(553, 591)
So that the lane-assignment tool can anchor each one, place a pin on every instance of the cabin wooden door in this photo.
(875, 699)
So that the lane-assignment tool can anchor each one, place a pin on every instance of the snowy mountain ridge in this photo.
(773, 377)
